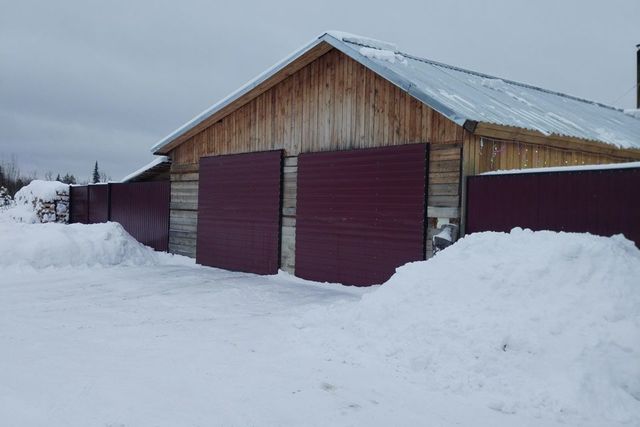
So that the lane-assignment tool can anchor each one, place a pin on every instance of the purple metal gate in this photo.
(603, 202)
(239, 212)
(360, 213)
(79, 204)
(142, 208)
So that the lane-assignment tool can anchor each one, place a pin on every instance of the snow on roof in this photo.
(462, 95)
(626, 165)
(155, 162)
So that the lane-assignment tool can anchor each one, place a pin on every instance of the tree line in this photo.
(13, 179)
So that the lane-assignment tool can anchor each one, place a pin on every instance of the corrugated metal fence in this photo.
(603, 202)
(142, 208)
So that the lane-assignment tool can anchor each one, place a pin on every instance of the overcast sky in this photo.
(82, 81)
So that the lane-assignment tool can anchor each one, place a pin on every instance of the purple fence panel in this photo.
(603, 202)
(79, 201)
(142, 208)
(98, 203)
(239, 212)
(360, 213)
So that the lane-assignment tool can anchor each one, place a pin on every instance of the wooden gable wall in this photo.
(334, 103)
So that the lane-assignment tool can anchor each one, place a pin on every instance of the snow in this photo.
(60, 245)
(541, 324)
(626, 165)
(633, 112)
(501, 329)
(37, 189)
(383, 55)
(363, 41)
(155, 162)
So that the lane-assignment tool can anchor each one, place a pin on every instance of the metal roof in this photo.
(157, 166)
(462, 95)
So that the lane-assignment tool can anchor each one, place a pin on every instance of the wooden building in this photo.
(341, 162)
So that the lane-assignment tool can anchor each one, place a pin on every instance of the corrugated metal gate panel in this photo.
(603, 202)
(239, 212)
(142, 208)
(360, 213)
(98, 203)
(79, 197)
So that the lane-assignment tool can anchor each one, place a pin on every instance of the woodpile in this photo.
(55, 210)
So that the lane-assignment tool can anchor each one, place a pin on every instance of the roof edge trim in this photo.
(246, 88)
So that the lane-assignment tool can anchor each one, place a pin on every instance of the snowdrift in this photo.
(540, 323)
(61, 245)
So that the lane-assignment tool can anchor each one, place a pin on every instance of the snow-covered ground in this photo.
(532, 329)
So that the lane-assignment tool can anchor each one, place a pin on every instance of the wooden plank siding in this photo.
(183, 215)
(443, 189)
(289, 204)
(334, 103)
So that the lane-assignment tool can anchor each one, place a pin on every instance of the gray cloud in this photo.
(82, 81)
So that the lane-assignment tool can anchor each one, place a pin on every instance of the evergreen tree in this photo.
(58, 178)
(96, 174)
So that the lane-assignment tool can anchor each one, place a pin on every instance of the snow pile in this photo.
(41, 201)
(61, 245)
(382, 55)
(542, 324)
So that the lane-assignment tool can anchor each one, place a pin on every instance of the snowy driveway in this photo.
(187, 346)
(178, 346)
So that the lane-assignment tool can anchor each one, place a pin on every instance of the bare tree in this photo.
(104, 177)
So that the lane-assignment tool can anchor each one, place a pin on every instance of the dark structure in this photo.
(79, 204)
(360, 213)
(239, 223)
(604, 202)
(142, 208)
(98, 203)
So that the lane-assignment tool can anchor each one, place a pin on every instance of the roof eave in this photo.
(512, 133)
(166, 144)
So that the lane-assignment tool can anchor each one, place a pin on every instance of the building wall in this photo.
(490, 154)
(335, 103)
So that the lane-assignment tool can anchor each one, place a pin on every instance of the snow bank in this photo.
(61, 245)
(539, 323)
